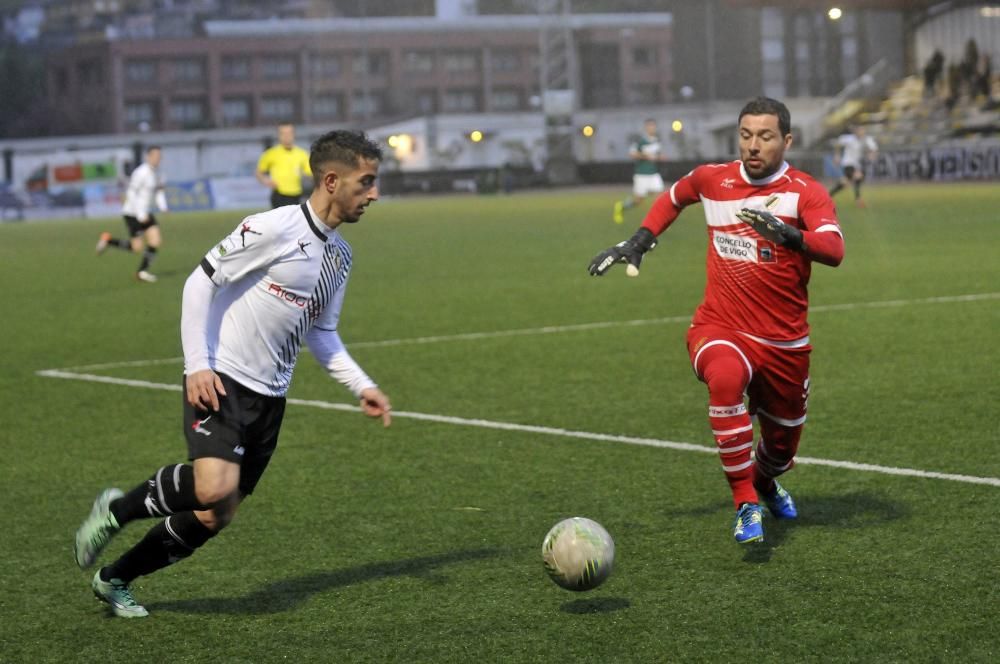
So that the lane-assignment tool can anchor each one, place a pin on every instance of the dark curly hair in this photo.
(768, 106)
(341, 146)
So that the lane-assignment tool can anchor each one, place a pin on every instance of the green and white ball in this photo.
(578, 553)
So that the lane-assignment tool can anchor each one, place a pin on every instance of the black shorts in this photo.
(244, 431)
(849, 172)
(279, 200)
(136, 227)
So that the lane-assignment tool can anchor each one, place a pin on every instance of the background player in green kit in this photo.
(646, 153)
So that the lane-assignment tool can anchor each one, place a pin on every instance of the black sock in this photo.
(147, 258)
(173, 539)
(169, 491)
(857, 189)
(837, 187)
(120, 243)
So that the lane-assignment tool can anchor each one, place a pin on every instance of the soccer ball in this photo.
(578, 553)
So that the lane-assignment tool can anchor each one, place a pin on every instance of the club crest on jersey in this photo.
(338, 262)
(772, 202)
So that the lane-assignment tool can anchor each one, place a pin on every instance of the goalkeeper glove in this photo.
(630, 251)
(772, 228)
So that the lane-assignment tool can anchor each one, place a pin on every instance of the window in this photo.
(643, 93)
(456, 101)
(371, 103)
(505, 60)
(89, 72)
(645, 56)
(186, 112)
(418, 62)
(505, 100)
(140, 71)
(457, 61)
(377, 64)
(137, 112)
(326, 65)
(278, 67)
(189, 70)
(326, 107)
(235, 112)
(235, 68)
(426, 101)
(280, 109)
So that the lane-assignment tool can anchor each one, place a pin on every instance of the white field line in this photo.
(553, 329)
(548, 431)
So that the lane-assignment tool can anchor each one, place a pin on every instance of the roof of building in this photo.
(428, 24)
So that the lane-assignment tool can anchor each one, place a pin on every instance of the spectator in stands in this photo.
(954, 86)
(983, 82)
(970, 63)
(932, 72)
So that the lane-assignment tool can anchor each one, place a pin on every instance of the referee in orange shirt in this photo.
(282, 168)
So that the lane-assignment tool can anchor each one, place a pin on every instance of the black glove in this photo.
(772, 228)
(630, 251)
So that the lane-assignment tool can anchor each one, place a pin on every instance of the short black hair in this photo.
(342, 146)
(150, 148)
(768, 106)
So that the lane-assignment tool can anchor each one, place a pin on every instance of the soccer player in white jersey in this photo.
(277, 281)
(850, 153)
(145, 187)
(767, 223)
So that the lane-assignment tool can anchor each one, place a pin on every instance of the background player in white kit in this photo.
(646, 153)
(276, 281)
(145, 186)
(767, 222)
(850, 153)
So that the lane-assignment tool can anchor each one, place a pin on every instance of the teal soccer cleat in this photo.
(97, 529)
(116, 593)
(749, 526)
(780, 503)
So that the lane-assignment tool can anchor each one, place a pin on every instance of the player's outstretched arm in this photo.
(772, 228)
(629, 251)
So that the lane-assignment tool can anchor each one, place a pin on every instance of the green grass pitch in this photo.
(422, 542)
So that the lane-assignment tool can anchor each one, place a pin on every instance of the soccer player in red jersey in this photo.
(767, 223)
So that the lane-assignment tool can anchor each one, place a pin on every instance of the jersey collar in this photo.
(774, 177)
(311, 219)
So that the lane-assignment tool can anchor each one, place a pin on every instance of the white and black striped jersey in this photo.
(144, 187)
(279, 278)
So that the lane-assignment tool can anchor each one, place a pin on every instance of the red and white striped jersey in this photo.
(754, 286)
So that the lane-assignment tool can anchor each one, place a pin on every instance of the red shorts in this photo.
(779, 377)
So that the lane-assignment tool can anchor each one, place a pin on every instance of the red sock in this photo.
(726, 374)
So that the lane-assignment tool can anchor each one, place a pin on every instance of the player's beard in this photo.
(762, 169)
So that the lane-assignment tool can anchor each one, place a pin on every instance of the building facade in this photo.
(343, 70)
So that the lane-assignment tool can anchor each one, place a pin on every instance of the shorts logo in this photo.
(197, 428)
(727, 411)
(239, 450)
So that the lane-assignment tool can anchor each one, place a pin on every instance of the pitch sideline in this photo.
(549, 431)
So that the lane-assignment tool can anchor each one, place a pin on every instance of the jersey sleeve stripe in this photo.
(207, 267)
(830, 228)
